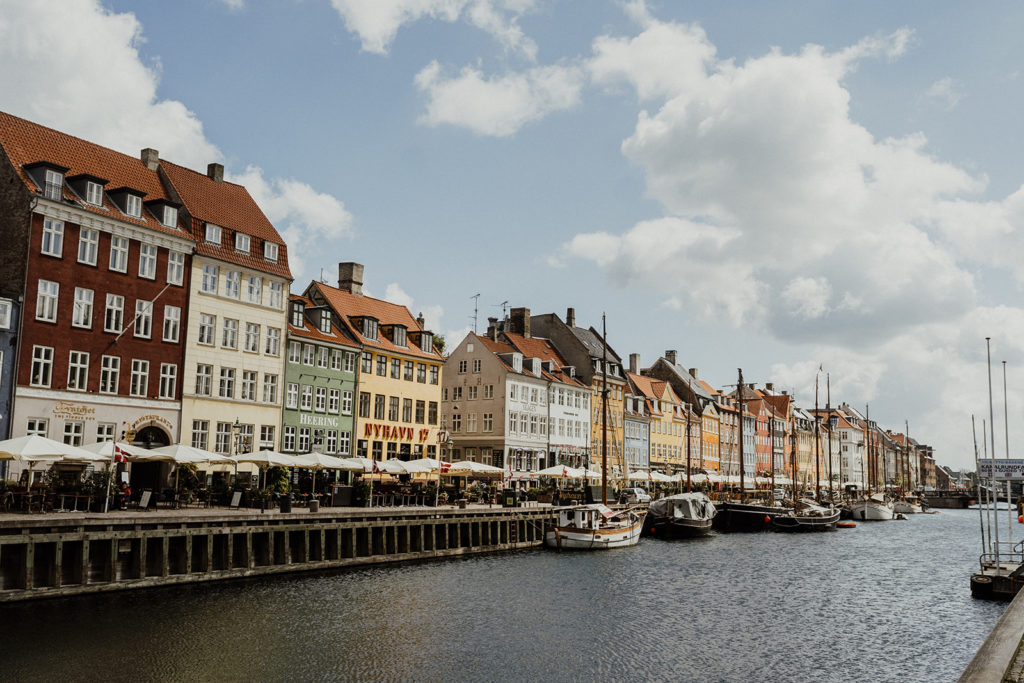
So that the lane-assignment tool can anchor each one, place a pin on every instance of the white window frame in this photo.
(252, 338)
(270, 252)
(53, 185)
(226, 387)
(175, 267)
(232, 284)
(250, 380)
(275, 298)
(273, 343)
(207, 329)
(172, 323)
(242, 242)
(306, 397)
(81, 313)
(211, 278)
(254, 289)
(147, 261)
(291, 396)
(170, 217)
(139, 385)
(270, 388)
(133, 205)
(47, 296)
(53, 238)
(229, 337)
(168, 380)
(143, 319)
(294, 352)
(6, 308)
(88, 246)
(110, 374)
(114, 312)
(93, 193)
(78, 371)
(204, 379)
(212, 234)
(118, 254)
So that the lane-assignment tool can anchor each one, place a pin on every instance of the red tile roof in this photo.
(311, 331)
(26, 142)
(537, 347)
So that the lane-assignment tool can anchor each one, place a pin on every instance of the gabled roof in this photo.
(349, 306)
(310, 331)
(27, 143)
(231, 207)
(594, 343)
(538, 347)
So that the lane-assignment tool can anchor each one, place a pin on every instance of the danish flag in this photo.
(120, 455)
(445, 466)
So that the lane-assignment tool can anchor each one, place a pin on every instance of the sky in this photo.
(780, 187)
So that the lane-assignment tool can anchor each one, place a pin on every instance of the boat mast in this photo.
(792, 459)
(981, 504)
(867, 450)
(688, 483)
(604, 412)
(828, 414)
(1009, 483)
(771, 438)
(739, 392)
(817, 441)
(992, 432)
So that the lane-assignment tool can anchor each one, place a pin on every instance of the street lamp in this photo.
(443, 439)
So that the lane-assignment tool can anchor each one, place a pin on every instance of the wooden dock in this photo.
(45, 555)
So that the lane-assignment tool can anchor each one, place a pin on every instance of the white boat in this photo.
(908, 505)
(596, 527)
(874, 508)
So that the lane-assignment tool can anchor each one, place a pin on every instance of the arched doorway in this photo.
(149, 475)
(151, 437)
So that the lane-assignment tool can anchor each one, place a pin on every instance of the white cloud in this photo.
(234, 5)
(376, 22)
(396, 295)
(807, 297)
(497, 106)
(946, 91)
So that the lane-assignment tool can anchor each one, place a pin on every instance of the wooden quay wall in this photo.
(46, 555)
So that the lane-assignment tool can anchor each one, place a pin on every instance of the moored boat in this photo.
(908, 505)
(684, 515)
(596, 527)
(735, 516)
(807, 515)
(874, 509)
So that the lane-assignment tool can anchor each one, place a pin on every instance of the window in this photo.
(325, 321)
(200, 434)
(421, 408)
(369, 328)
(400, 334)
(37, 426)
(350, 361)
(88, 246)
(321, 356)
(276, 295)
(172, 323)
(140, 377)
(147, 261)
(456, 393)
(227, 383)
(434, 372)
(308, 354)
(379, 403)
(456, 422)
(232, 284)
(294, 352)
(364, 404)
(119, 254)
(5, 314)
(346, 402)
(110, 373)
(471, 393)
(393, 408)
(270, 251)
(46, 301)
(249, 379)
(333, 401)
(252, 337)
(168, 380)
(207, 325)
(367, 362)
(297, 314)
(462, 367)
(432, 413)
(331, 445)
(175, 267)
(289, 439)
(81, 315)
(427, 342)
(204, 380)
(242, 242)
(73, 432)
(170, 218)
(488, 391)
(406, 410)
(143, 319)
(212, 235)
(270, 388)
(291, 399)
(267, 437)
(321, 400)
(105, 431)
(303, 446)
(229, 339)
(93, 193)
(223, 443)
(471, 422)
(421, 373)
(53, 188)
(396, 368)
(273, 347)
(382, 366)
(255, 289)
(344, 442)
(335, 359)
(53, 238)
(488, 422)
(78, 371)
(133, 205)
(476, 365)
(306, 400)
(210, 275)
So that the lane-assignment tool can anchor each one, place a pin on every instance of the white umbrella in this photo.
(385, 466)
(184, 454)
(104, 450)
(426, 464)
(35, 448)
(638, 475)
(463, 467)
(559, 471)
(660, 477)
(266, 458)
(321, 461)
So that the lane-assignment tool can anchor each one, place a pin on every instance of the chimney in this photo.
(634, 363)
(570, 317)
(420, 320)
(750, 386)
(350, 278)
(215, 172)
(151, 158)
(693, 373)
(520, 321)
(670, 356)
(770, 386)
(492, 329)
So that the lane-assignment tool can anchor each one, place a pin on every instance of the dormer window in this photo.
(212, 234)
(242, 242)
(53, 188)
(170, 218)
(427, 342)
(133, 205)
(93, 193)
(325, 321)
(270, 251)
(298, 314)
(399, 336)
(370, 328)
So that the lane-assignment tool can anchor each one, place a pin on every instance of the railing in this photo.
(1015, 555)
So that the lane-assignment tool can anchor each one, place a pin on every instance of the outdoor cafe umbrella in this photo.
(320, 461)
(467, 467)
(379, 466)
(179, 454)
(266, 458)
(104, 450)
(35, 448)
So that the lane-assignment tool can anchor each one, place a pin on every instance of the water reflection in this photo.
(883, 602)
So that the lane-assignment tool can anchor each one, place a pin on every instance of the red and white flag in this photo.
(120, 454)
(445, 466)
(565, 472)
(376, 470)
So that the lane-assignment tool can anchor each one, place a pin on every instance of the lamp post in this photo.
(443, 439)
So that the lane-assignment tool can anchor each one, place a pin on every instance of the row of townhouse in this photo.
(528, 395)
(143, 300)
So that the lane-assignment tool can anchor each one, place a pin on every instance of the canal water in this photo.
(887, 601)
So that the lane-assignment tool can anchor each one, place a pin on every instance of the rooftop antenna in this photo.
(476, 308)
(504, 305)
(323, 278)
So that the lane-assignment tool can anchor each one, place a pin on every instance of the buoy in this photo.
(652, 529)
(767, 519)
(1020, 518)
(846, 525)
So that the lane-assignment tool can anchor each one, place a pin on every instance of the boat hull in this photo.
(745, 516)
(678, 528)
(571, 538)
(906, 507)
(869, 511)
(793, 522)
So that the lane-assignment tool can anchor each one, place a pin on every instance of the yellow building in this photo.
(398, 387)
(711, 428)
(667, 448)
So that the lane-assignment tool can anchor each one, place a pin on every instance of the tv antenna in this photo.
(504, 305)
(476, 308)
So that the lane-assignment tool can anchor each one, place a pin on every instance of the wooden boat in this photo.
(684, 515)
(908, 505)
(875, 509)
(596, 527)
(806, 515)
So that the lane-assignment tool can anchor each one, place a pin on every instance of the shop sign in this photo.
(146, 419)
(1004, 469)
(73, 411)
(317, 420)
(374, 430)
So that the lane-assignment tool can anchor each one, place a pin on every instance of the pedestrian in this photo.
(125, 495)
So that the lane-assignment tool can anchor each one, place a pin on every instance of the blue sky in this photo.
(773, 186)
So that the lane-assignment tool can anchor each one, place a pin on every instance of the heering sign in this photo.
(1005, 469)
(317, 420)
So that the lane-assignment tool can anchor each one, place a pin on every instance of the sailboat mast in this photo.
(604, 412)
(739, 392)
(792, 459)
(981, 503)
(867, 450)
(817, 441)
(828, 414)
(688, 482)
(992, 432)
(771, 449)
